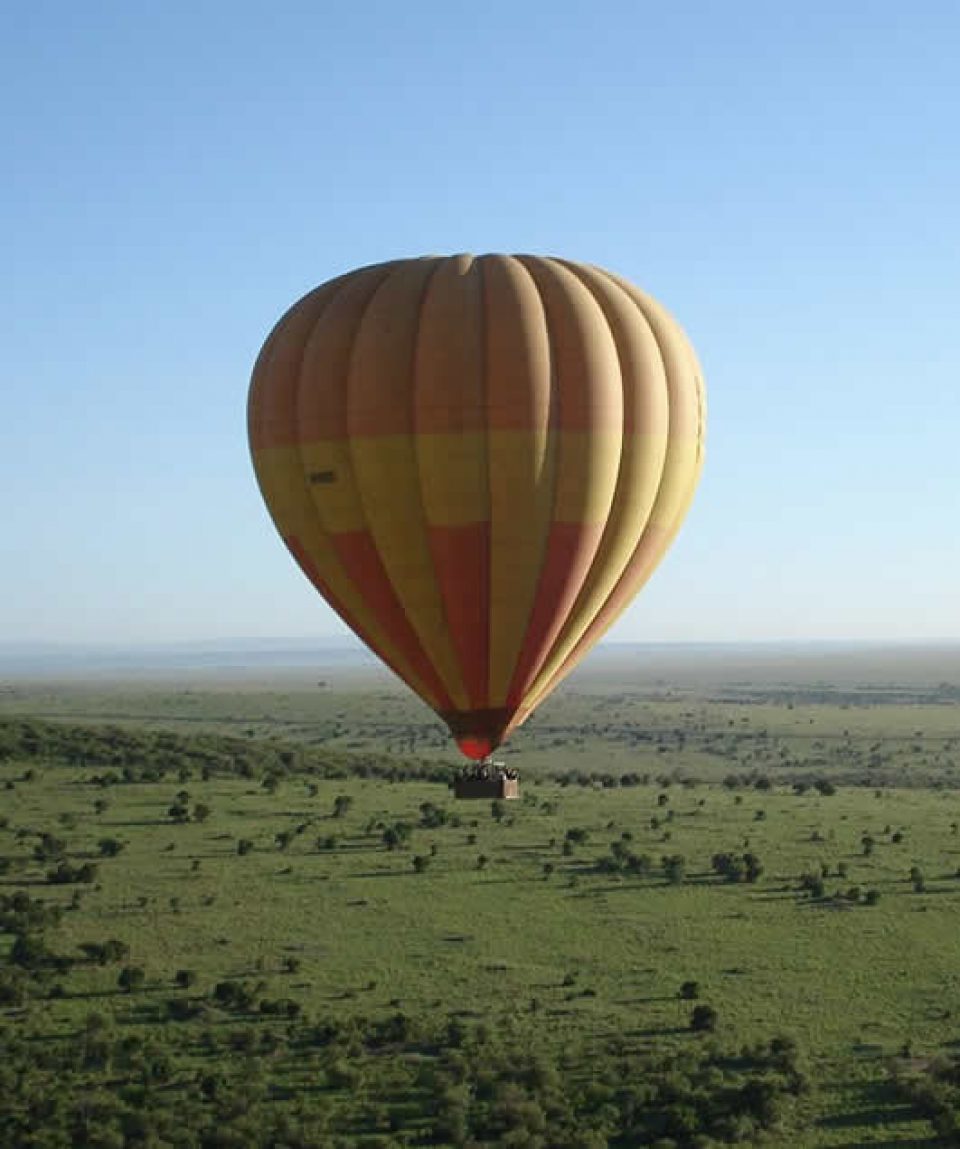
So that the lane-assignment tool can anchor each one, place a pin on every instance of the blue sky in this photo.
(784, 177)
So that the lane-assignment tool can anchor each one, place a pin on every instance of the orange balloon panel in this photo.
(478, 462)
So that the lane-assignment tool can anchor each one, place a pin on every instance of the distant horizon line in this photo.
(323, 641)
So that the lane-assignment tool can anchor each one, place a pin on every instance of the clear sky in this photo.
(785, 177)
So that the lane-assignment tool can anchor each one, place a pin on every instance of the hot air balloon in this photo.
(477, 462)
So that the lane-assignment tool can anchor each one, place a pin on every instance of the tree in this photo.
(29, 951)
(49, 848)
(690, 991)
(753, 867)
(703, 1019)
(432, 816)
(114, 950)
(201, 812)
(729, 866)
(341, 804)
(109, 847)
(482, 860)
(420, 863)
(183, 1009)
(813, 884)
(185, 978)
(639, 863)
(396, 835)
(64, 874)
(131, 978)
(674, 868)
(236, 995)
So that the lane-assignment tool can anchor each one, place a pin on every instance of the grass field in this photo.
(525, 920)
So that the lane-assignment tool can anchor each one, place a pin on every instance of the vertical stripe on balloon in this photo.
(380, 428)
(586, 420)
(521, 457)
(358, 554)
(461, 559)
(449, 435)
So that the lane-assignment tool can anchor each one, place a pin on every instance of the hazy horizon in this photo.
(349, 641)
(301, 657)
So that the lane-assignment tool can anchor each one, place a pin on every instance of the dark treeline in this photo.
(138, 755)
(117, 754)
(943, 694)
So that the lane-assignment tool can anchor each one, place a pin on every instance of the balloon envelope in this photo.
(478, 462)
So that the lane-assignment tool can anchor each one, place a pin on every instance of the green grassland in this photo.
(523, 923)
(891, 714)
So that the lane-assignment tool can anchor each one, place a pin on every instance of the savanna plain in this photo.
(242, 907)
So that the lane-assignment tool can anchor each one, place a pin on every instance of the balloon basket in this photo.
(489, 783)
